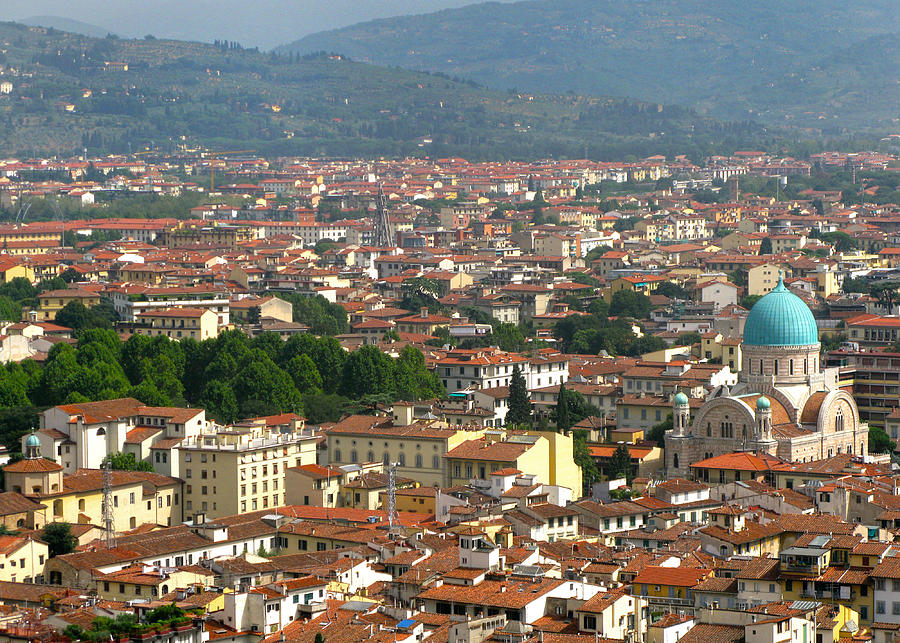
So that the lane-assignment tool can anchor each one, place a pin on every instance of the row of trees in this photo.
(232, 376)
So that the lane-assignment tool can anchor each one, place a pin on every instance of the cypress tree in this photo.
(519, 400)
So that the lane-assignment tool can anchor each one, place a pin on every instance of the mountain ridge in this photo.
(730, 58)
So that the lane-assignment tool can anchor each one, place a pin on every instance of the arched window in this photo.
(776, 367)
(81, 505)
(839, 420)
(675, 460)
(792, 367)
(337, 455)
(101, 431)
(370, 456)
(20, 522)
(435, 462)
(418, 461)
(353, 457)
(761, 370)
(401, 460)
(723, 550)
(805, 366)
(708, 430)
(387, 458)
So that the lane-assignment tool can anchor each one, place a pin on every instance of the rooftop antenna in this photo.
(393, 518)
(107, 506)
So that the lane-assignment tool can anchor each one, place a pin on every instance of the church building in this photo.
(783, 404)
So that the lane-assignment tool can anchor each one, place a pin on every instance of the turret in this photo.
(681, 415)
(763, 418)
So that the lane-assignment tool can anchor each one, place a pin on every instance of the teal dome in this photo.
(681, 399)
(32, 441)
(763, 403)
(780, 318)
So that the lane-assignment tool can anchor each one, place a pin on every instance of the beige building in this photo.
(145, 582)
(416, 446)
(22, 559)
(137, 497)
(53, 301)
(176, 323)
(763, 278)
(242, 468)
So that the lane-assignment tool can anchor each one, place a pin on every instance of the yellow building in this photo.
(815, 568)
(414, 499)
(763, 278)
(668, 586)
(644, 284)
(143, 582)
(720, 349)
(52, 301)
(546, 455)
(138, 497)
(10, 268)
(176, 323)
(22, 559)
(242, 469)
(222, 236)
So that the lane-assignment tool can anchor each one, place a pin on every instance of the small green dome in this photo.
(681, 399)
(763, 403)
(780, 318)
(32, 441)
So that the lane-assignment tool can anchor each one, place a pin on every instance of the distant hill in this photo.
(820, 63)
(73, 92)
(67, 24)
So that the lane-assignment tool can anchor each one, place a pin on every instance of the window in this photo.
(879, 607)
(590, 622)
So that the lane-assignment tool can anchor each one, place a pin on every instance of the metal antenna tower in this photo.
(384, 236)
(393, 518)
(107, 507)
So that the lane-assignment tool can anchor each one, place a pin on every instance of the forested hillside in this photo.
(824, 63)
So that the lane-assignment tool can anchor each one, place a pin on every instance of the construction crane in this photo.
(213, 160)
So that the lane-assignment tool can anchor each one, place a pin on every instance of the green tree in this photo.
(748, 301)
(220, 402)
(412, 379)
(519, 412)
(509, 337)
(581, 453)
(126, 462)
(658, 432)
(319, 638)
(10, 309)
(76, 316)
(688, 338)
(672, 290)
(879, 441)
(620, 464)
(629, 303)
(59, 538)
(367, 371)
(324, 407)
(305, 374)
(563, 421)
(765, 246)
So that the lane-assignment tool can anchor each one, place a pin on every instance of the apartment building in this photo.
(490, 367)
(242, 467)
(177, 323)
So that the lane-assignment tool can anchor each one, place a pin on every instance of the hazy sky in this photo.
(262, 23)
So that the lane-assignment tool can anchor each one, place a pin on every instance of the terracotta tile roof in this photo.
(674, 576)
(739, 461)
(511, 594)
(760, 569)
(813, 523)
(489, 451)
(32, 465)
(706, 632)
(751, 532)
(810, 413)
(14, 503)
